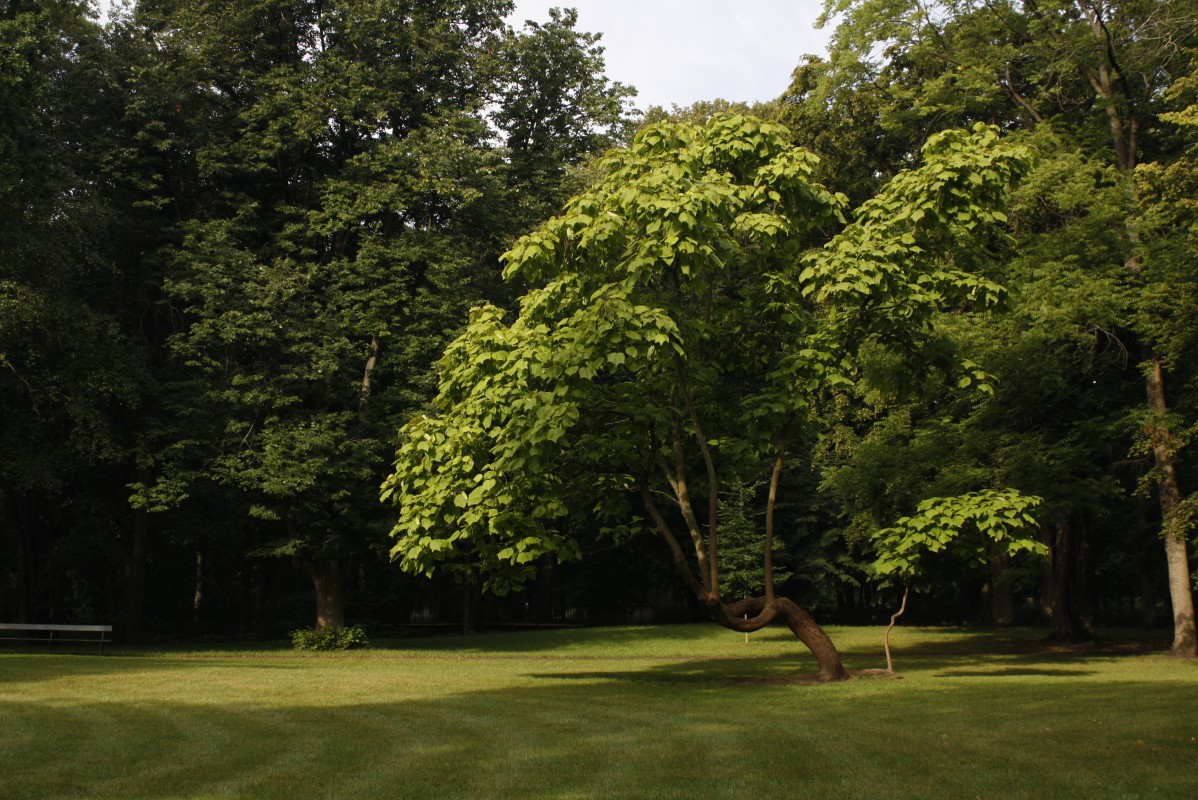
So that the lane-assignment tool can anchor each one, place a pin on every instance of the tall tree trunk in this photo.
(136, 579)
(1144, 563)
(1185, 640)
(26, 565)
(1067, 622)
(1124, 123)
(197, 597)
(367, 378)
(468, 607)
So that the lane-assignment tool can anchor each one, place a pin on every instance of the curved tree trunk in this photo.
(801, 624)
(894, 621)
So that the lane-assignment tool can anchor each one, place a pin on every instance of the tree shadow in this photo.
(613, 639)
(715, 671)
(38, 667)
(1013, 672)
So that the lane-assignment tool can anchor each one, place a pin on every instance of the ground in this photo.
(646, 712)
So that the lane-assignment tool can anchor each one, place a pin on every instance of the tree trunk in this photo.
(26, 565)
(328, 581)
(136, 586)
(1185, 639)
(197, 597)
(894, 621)
(467, 607)
(1144, 563)
(806, 629)
(1002, 604)
(1124, 122)
(1067, 622)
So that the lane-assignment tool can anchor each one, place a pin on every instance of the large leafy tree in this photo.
(341, 200)
(683, 331)
(1088, 80)
(555, 108)
(71, 369)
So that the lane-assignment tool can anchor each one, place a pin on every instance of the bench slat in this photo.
(18, 626)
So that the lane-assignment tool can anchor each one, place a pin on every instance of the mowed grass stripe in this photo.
(976, 715)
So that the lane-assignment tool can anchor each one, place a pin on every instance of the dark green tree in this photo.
(1087, 80)
(72, 371)
(341, 202)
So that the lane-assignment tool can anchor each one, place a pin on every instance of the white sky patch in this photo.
(683, 51)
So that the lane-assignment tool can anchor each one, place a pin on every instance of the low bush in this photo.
(351, 638)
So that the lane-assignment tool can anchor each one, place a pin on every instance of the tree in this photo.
(937, 526)
(683, 326)
(340, 200)
(1095, 74)
(555, 108)
(72, 375)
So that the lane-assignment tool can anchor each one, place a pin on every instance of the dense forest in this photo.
(248, 246)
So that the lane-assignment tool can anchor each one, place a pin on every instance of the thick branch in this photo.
(807, 630)
(367, 377)
(734, 616)
(890, 627)
(1019, 99)
(768, 555)
(663, 530)
(749, 605)
(1124, 155)
(678, 482)
(713, 548)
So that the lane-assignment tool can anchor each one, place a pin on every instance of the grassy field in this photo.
(647, 712)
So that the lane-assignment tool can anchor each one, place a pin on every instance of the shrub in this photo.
(351, 638)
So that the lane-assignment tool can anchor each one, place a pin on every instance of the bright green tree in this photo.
(684, 325)
(970, 526)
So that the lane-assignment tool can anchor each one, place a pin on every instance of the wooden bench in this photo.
(12, 631)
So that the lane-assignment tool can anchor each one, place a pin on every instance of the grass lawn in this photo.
(646, 712)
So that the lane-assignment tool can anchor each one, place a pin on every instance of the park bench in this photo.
(23, 632)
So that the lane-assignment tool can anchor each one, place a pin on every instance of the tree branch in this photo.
(684, 502)
(768, 555)
(367, 377)
(663, 530)
(713, 548)
(889, 628)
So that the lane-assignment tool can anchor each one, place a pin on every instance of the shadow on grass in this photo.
(1030, 642)
(550, 640)
(1012, 672)
(783, 671)
(723, 671)
(37, 667)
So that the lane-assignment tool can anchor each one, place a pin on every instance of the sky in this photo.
(682, 51)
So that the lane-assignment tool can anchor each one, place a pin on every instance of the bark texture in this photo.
(1185, 640)
(136, 572)
(328, 581)
(806, 630)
